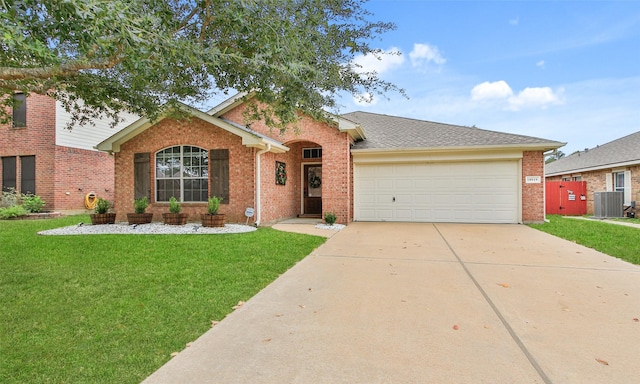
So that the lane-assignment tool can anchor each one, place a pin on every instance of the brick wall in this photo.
(79, 172)
(36, 139)
(63, 175)
(533, 194)
(337, 186)
(195, 132)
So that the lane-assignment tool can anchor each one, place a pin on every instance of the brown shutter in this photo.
(141, 176)
(219, 165)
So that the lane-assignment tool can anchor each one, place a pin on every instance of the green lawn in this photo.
(615, 240)
(112, 308)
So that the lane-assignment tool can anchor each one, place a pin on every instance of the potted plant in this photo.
(212, 218)
(174, 217)
(140, 216)
(102, 214)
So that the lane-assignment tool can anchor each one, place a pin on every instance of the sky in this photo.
(561, 70)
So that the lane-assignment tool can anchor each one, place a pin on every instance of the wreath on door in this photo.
(315, 181)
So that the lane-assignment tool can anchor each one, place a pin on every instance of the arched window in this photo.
(183, 172)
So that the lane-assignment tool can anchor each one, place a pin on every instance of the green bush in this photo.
(330, 218)
(102, 206)
(174, 206)
(10, 198)
(140, 205)
(213, 205)
(13, 211)
(32, 203)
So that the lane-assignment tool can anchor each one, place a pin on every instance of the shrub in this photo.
(102, 206)
(174, 206)
(13, 211)
(213, 205)
(140, 205)
(330, 218)
(32, 203)
(10, 198)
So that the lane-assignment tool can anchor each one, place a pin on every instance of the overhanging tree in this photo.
(102, 57)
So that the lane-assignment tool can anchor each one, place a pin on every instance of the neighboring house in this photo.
(359, 166)
(41, 156)
(614, 166)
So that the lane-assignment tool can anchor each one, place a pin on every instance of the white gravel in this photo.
(334, 227)
(146, 229)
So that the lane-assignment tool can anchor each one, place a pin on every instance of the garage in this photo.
(464, 191)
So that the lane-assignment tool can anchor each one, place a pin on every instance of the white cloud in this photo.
(379, 63)
(534, 97)
(495, 90)
(527, 98)
(515, 21)
(425, 53)
(540, 64)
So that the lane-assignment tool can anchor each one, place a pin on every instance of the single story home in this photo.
(614, 166)
(359, 166)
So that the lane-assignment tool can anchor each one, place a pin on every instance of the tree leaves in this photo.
(135, 55)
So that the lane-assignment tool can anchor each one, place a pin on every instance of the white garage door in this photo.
(466, 192)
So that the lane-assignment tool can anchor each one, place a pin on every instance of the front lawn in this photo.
(112, 308)
(614, 240)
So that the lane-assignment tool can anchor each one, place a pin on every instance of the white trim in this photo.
(609, 182)
(249, 139)
(433, 156)
(596, 168)
(627, 187)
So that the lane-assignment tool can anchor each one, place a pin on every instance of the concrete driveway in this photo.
(431, 303)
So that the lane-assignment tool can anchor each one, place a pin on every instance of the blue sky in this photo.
(562, 70)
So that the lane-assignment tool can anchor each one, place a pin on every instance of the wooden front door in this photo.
(312, 193)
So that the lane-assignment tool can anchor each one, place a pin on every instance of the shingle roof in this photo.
(391, 132)
(621, 151)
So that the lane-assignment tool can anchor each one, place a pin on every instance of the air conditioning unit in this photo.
(608, 204)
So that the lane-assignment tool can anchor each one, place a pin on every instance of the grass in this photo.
(112, 308)
(614, 240)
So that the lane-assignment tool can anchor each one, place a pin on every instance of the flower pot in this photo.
(139, 218)
(212, 220)
(103, 218)
(175, 218)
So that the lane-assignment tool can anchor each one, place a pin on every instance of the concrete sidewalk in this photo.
(437, 303)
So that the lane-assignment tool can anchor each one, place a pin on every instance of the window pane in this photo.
(8, 173)
(19, 110)
(28, 174)
(167, 188)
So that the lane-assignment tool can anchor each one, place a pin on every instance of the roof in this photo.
(621, 152)
(249, 137)
(386, 132)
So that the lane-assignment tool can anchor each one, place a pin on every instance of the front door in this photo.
(312, 193)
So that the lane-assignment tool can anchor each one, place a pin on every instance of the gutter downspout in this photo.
(258, 189)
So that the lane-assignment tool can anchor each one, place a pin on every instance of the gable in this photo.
(249, 138)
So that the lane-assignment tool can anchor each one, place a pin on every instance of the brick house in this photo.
(39, 155)
(359, 166)
(614, 166)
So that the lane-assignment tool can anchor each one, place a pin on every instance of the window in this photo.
(28, 174)
(182, 172)
(312, 153)
(19, 115)
(618, 181)
(8, 173)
